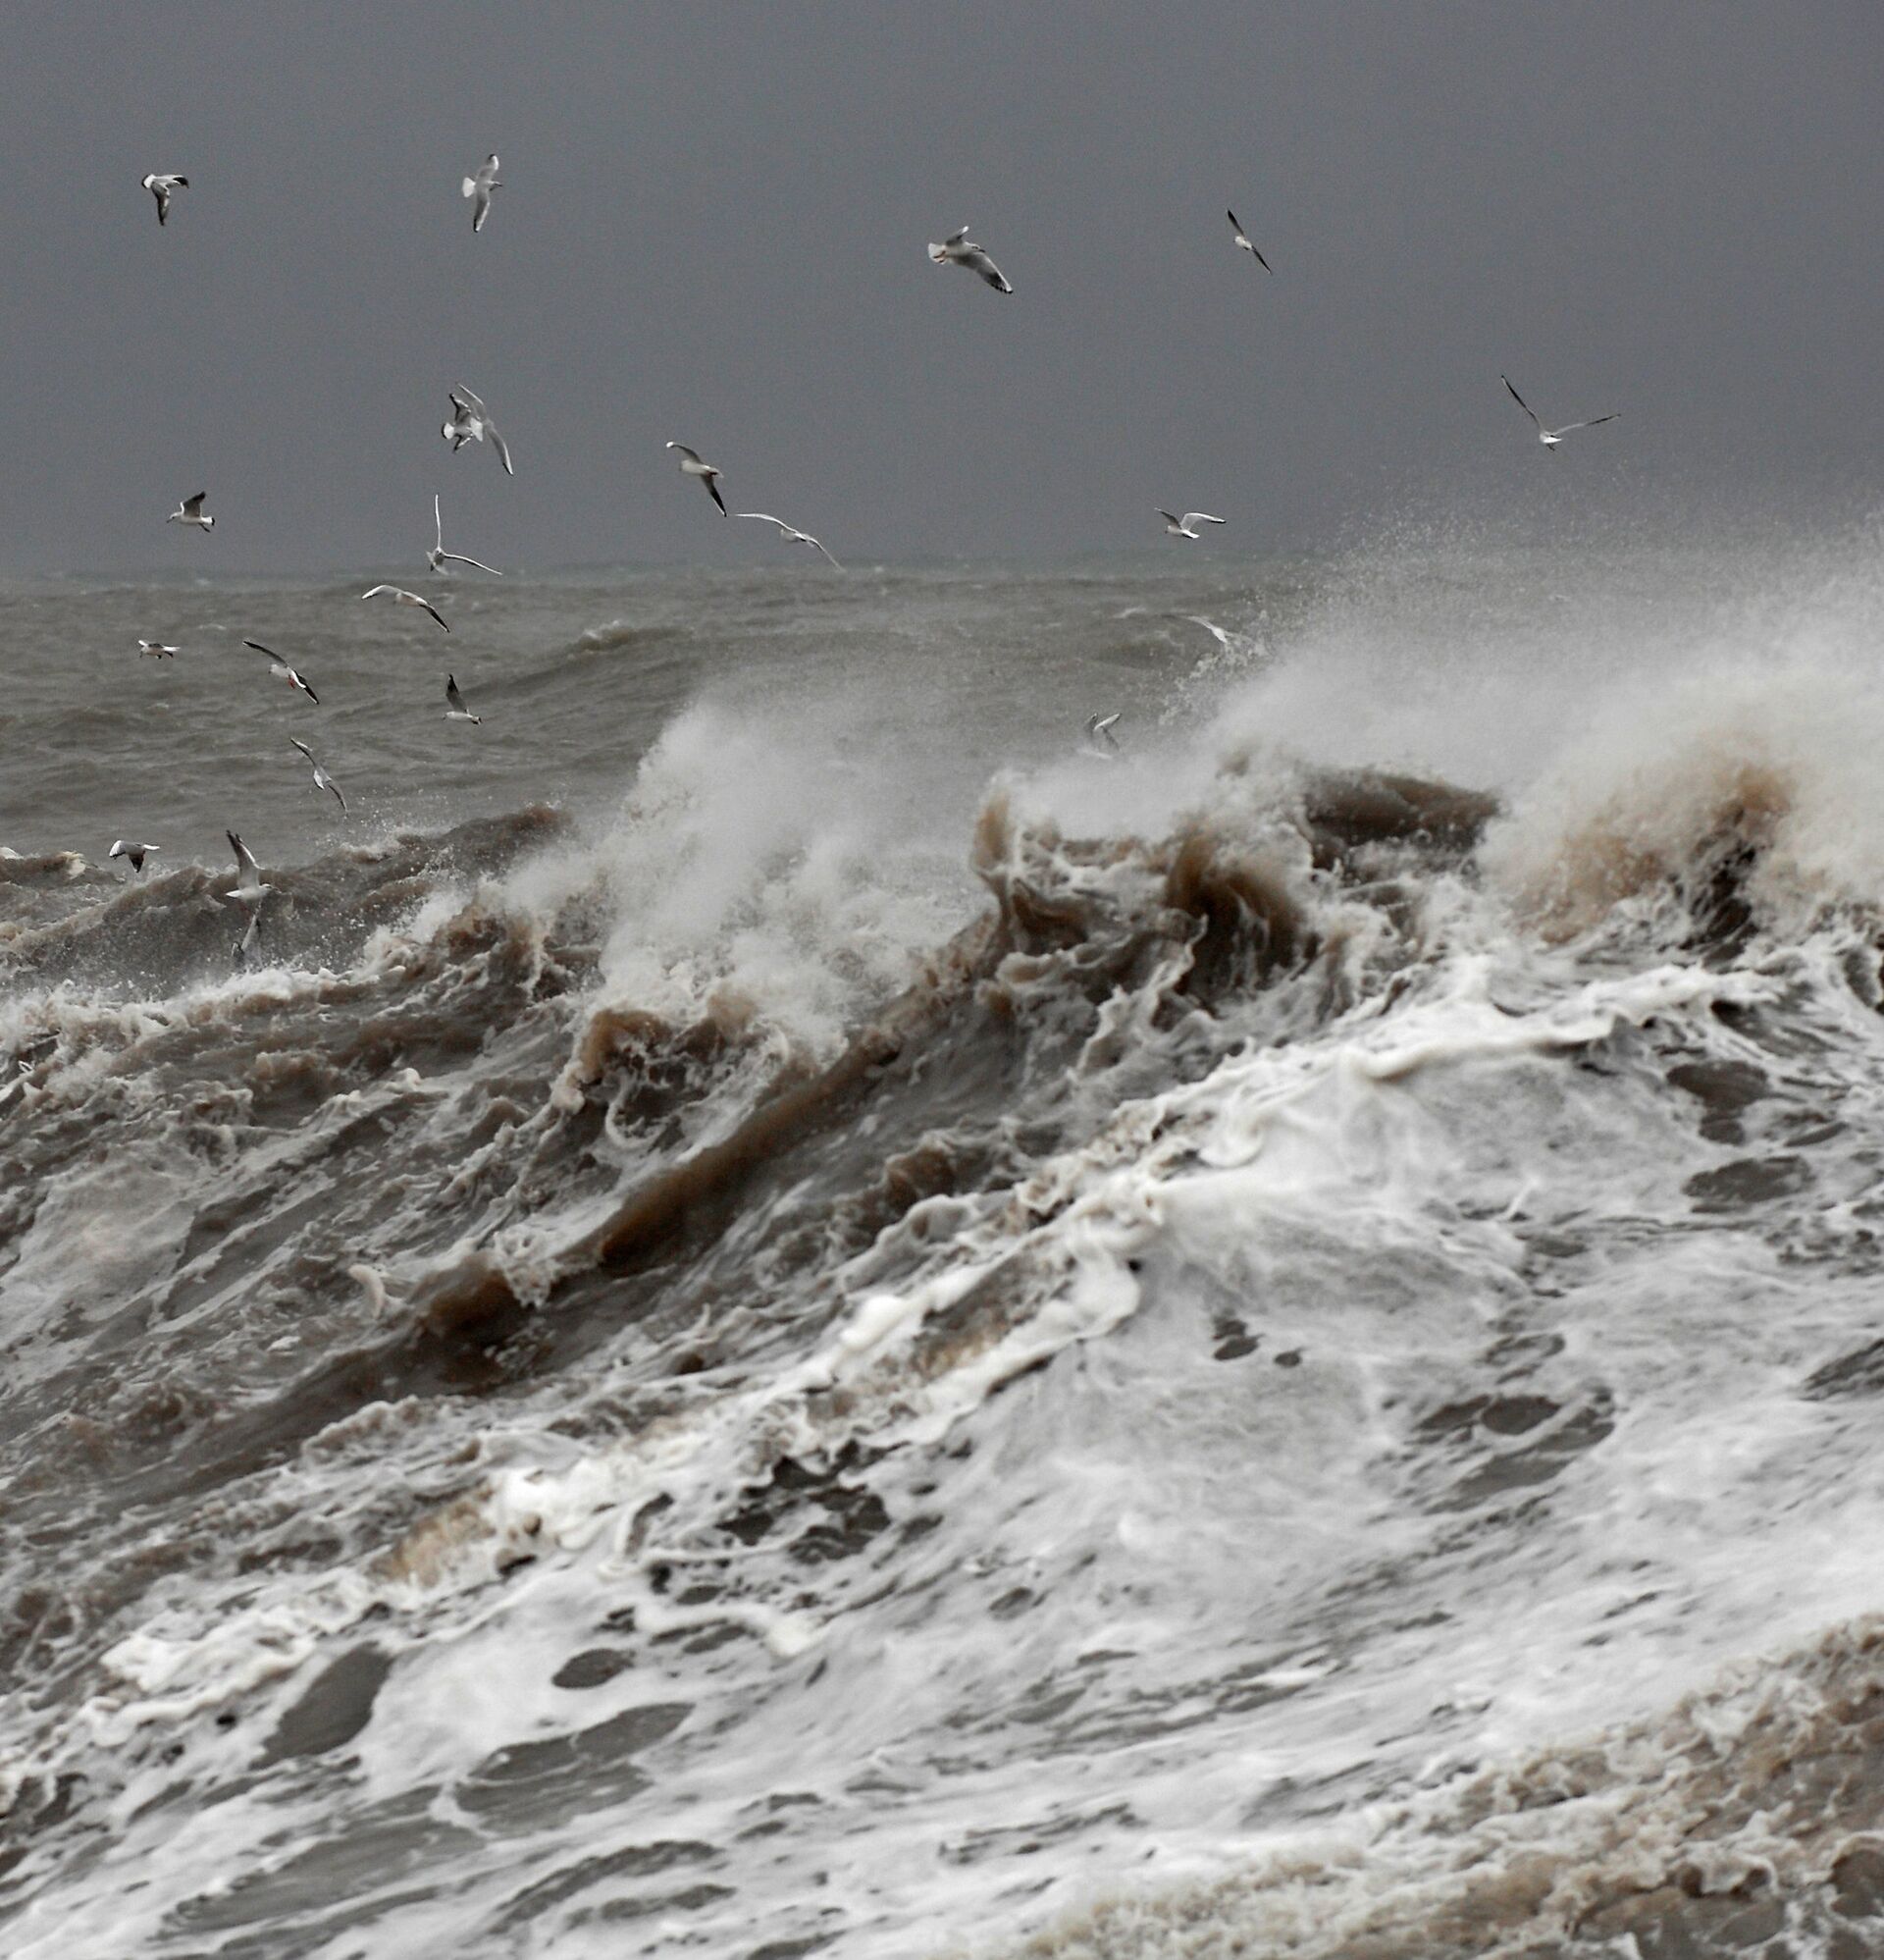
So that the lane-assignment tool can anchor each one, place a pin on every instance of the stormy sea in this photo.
(795, 1304)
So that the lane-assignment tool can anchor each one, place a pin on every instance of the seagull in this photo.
(437, 556)
(691, 465)
(157, 649)
(400, 597)
(137, 853)
(248, 888)
(1550, 438)
(248, 947)
(1242, 239)
(190, 511)
(470, 423)
(1181, 527)
(457, 711)
(480, 187)
(284, 670)
(321, 780)
(790, 533)
(1098, 725)
(161, 188)
(961, 249)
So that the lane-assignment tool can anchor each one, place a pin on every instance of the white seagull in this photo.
(161, 188)
(456, 709)
(282, 671)
(1550, 438)
(1242, 239)
(400, 597)
(438, 557)
(157, 649)
(470, 423)
(248, 888)
(124, 847)
(190, 511)
(790, 532)
(1101, 725)
(321, 780)
(481, 186)
(691, 465)
(960, 250)
(1183, 527)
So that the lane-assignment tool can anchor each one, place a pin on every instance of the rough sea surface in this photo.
(790, 1311)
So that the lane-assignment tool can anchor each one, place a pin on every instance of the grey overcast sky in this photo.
(713, 228)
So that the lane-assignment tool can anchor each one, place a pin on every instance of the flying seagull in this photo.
(470, 423)
(1242, 239)
(790, 532)
(248, 888)
(161, 188)
(437, 556)
(960, 250)
(284, 671)
(124, 847)
(190, 511)
(481, 186)
(321, 780)
(248, 948)
(1550, 438)
(456, 709)
(1181, 527)
(157, 649)
(400, 597)
(691, 465)
(1101, 725)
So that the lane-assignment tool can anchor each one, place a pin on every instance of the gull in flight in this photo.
(438, 557)
(480, 187)
(157, 649)
(1550, 438)
(284, 671)
(321, 780)
(190, 511)
(1242, 239)
(400, 597)
(1185, 526)
(1100, 726)
(124, 847)
(161, 188)
(456, 709)
(470, 423)
(248, 948)
(248, 888)
(961, 249)
(790, 532)
(691, 465)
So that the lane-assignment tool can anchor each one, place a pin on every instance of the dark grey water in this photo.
(788, 1312)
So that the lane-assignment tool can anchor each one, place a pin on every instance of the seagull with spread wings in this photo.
(1243, 242)
(790, 532)
(455, 707)
(438, 557)
(1185, 526)
(190, 511)
(1550, 438)
(163, 188)
(248, 888)
(692, 465)
(958, 248)
(470, 423)
(281, 669)
(481, 186)
(400, 597)
(321, 780)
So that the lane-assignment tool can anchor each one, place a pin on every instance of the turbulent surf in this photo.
(788, 1311)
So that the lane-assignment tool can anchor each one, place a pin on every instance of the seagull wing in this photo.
(452, 694)
(462, 399)
(1167, 516)
(373, 591)
(194, 506)
(1595, 421)
(810, 540)
(244, 857)
(686, 454)
(304, 749)
(1261, 260)
(260, 649)
(480, 210)
(328, 782)
(977, 261)
(956, 237)
(765, 517)
(1519, 399)
(1200, 517)
(459, 558)
(431, 609)
(711, 481)
(438, 522)
(502, 448)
